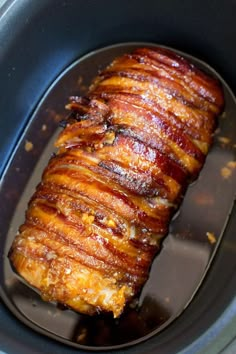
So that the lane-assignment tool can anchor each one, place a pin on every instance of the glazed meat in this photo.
(126, 154)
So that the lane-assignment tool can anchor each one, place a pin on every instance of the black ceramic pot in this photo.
(41, 46)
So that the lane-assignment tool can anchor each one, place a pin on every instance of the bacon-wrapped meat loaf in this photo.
(125, 157)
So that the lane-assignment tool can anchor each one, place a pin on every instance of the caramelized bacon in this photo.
(125, 157)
